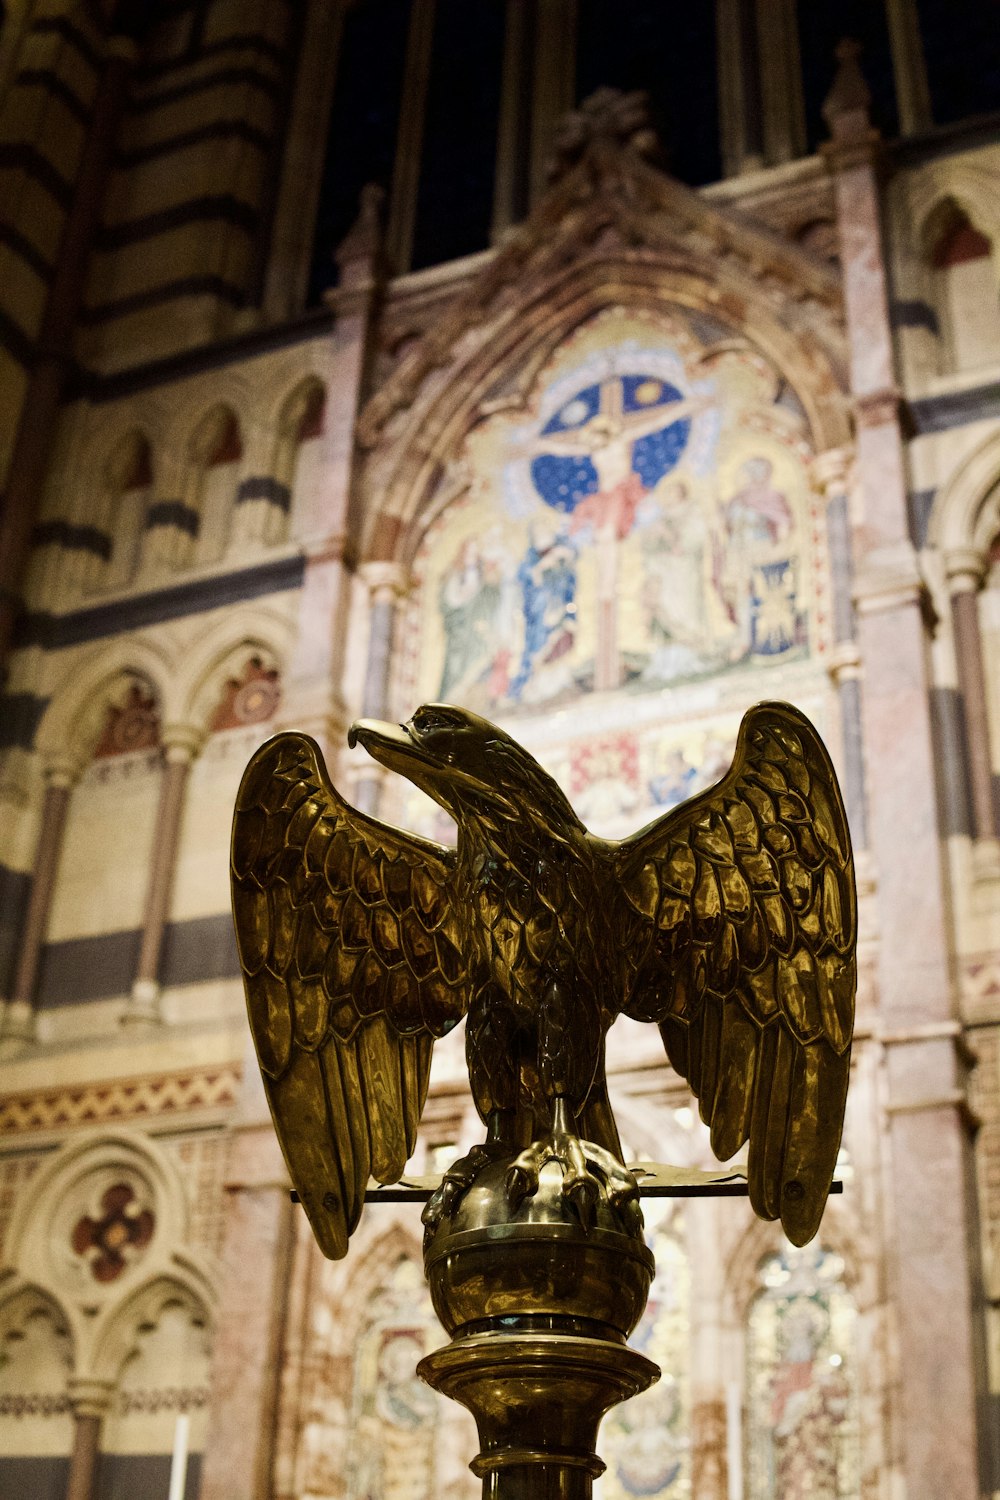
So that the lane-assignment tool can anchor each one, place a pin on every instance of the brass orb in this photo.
(536, 1268)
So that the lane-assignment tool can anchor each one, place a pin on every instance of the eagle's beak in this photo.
(400, 748)
(391, 745)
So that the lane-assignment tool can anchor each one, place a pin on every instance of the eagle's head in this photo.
(471, 768)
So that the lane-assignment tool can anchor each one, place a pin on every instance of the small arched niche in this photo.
(267, 502)
(126, 484)
(160, 1405)
(36, 1420)
(108, 837)
(215, 452)
(965, 289)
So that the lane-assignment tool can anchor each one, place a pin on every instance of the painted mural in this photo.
(395, 1416)
(645, 1441)
(647, 521)
(802, 1426)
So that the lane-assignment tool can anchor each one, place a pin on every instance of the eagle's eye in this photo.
(427, 720)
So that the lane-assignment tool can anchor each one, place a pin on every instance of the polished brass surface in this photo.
(538, 1400)
(486, 1261)
(539, 1309)
(730, 922)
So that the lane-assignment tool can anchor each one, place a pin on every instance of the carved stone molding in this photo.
(611, 206)
(889, 578)
(965, 568)
(386, 582)
(832, 470)
(142, 1097)
(875, 408)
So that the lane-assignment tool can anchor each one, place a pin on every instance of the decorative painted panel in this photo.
(404, 1442)
(645, 1442)
(647, 521)
(802, 1404)
(618, 568)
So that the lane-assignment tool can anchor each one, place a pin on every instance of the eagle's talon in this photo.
(521, 1182)
(583, 1194)
(455, 1184)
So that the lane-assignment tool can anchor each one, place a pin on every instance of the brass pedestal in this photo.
(538, 1400)
(539, 1308)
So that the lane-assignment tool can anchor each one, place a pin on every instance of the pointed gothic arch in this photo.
(618, 234)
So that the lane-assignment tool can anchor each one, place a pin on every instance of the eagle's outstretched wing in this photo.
(352, 966)
(740, 933)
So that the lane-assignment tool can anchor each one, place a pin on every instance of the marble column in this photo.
(932, 1242)
(782, 103)
(180, 743)
(247, 1350)
(913, 99)
(740, 124)
(313, 696)
(287, 280)
(831, 471)
(90, 1400)
(410, 137)
(510, 184)
(965, 570)
(386, 583)
(553, 90)
(18, 1026)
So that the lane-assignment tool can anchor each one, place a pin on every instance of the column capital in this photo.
(89, 1396)
(61, 771)
(181, 742)
(386, 582)
(876, 408)
(889, 578)
(964, 568)
(844, 664)
(831, 470)
(332, 547)
(17, 1028)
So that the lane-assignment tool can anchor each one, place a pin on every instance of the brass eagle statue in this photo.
(730, 922)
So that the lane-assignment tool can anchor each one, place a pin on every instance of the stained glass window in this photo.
(645, 1442)
(802, 1404)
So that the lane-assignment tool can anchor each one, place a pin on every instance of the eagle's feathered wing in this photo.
(352, 964)
(738, 938)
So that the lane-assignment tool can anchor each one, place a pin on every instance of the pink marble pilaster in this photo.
(247, 1351)
(313, 698)
(709, 1449)
(387, 584)
(931, 1212)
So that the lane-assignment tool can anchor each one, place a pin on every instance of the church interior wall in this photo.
(227, 513)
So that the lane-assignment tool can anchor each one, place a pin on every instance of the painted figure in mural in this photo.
(547, 580)
(674, 779)
(809, 1400)
(755, 576)
(470, 596)
(674, 542)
